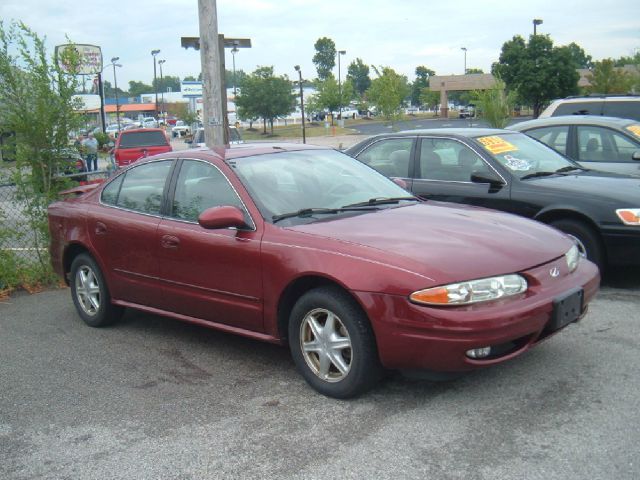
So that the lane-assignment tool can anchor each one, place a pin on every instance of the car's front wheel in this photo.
(332, 343)
(90, 293)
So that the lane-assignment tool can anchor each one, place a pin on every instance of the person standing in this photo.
(91, 151)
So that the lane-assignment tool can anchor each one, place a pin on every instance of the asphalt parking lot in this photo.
(152, 398)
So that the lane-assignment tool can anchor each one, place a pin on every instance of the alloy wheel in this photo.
(326, 345)
(87, 290)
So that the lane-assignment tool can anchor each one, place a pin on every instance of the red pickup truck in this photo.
(132, 145)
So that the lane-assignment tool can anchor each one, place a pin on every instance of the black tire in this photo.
(90, 293)
(588, 240)
(351, 326)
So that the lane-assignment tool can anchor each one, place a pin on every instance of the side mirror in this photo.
(636, 155)
(221, 217)
(487, 177)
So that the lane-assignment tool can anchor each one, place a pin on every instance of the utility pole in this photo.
(212, 82)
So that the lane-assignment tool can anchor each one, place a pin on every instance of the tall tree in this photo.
(421, 82)
(110, 92)
(328, 95)
(38, 108)
(265, 96)
(358, 73)
(537, 70)
(325, 57)
(579, 57)
(388, 91)
(138, 88)
(228, 78)
(607, 78)
(189, 78)
(167, 82)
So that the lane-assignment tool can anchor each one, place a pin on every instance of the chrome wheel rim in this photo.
(87, 290)
(326, 345)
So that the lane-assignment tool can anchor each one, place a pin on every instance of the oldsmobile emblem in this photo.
(554, 272)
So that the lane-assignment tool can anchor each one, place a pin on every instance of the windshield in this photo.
(312, 181)
(523, 156)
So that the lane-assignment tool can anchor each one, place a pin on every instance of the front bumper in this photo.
(622, 245)
(418, 337)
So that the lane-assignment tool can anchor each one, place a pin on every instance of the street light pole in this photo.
(234, 50)
(536, 22)
(464, 49)
(160, 62)
(340, 53)
(155, 83)
(115, 83)
(304, 134)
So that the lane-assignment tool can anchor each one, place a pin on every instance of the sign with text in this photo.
(191, 89)
(90, 58)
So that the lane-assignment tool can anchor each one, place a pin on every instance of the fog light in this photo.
(479, 352)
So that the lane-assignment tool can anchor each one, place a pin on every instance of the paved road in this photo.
(375, 127)
(152, 398)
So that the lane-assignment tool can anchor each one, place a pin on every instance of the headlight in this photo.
(629, 216)
(473, 291)
(572, 257)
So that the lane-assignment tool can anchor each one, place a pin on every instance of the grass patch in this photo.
(294, 131)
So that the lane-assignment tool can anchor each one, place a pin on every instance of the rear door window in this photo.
(143, 187)
(142, 139)
(555, 137)
(391, 157)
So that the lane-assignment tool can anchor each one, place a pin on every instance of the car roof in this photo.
(136, 130)
(239, 151)
(573, 120)
(470, 132)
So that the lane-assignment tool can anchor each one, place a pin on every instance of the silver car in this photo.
(600, 143)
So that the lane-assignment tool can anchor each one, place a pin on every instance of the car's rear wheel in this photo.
(90, 293)
(585, 237)
(332, 343)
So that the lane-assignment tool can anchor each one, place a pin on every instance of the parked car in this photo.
(180, 129)
(466, 112)
(112, 130)
(348, 113)
(622, 106)
(71, 165)
(199, 141)
(304, 246)
(149, 122)
(510, 171)
(602, 143)
(132, 145)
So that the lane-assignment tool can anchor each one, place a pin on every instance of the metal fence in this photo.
(15, 233)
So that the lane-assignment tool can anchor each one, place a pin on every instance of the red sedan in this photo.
(308, 247)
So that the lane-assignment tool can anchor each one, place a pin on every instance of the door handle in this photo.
(169, 241)
(101, 228)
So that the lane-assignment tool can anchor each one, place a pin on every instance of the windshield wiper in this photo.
(308, 212)
(538, 174)
(381, 201)
(569, 168)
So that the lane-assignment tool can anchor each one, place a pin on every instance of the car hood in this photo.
(446, 241)
(595, 186)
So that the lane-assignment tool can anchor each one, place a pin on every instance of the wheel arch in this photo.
(294, 290)
(70, 253)
(551, 215)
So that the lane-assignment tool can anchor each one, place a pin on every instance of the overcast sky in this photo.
(401, 34)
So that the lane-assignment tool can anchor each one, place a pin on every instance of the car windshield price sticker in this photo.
(635, 129)
(496, 144)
